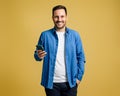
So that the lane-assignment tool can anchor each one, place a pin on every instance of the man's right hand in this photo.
(41, 54)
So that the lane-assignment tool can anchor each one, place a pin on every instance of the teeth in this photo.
(59, 23)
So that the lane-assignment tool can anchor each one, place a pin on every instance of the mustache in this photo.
(59, 22)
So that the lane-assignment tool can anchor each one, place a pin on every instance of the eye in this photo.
(62, 16)
(55, 17)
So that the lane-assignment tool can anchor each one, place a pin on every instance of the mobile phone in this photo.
(40, 47)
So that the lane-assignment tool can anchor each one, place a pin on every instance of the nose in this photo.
(59, 18)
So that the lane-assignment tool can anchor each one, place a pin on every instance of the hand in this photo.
(41, 54)
(78, 82)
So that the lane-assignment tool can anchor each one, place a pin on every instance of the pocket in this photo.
(76, 84)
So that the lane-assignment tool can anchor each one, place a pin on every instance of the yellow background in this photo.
(22, 21)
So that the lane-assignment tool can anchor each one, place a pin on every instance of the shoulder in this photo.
(73, 32)
(46, 32)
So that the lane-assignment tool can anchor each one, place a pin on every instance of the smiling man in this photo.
(63, 56)
(59, 19)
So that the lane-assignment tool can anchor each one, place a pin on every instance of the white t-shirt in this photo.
(60, 66)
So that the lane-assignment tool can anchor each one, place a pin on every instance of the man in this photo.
(63, 57)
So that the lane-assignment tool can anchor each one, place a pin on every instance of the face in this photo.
(59, 18)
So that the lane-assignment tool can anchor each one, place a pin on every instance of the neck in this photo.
(60, 30)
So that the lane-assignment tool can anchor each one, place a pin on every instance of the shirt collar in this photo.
(66, 30)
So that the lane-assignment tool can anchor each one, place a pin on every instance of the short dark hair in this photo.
(59, 7)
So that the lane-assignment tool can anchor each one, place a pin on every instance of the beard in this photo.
(60, 26)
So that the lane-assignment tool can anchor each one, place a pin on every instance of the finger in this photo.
(42, 52)
(39, 51)
(42, 55)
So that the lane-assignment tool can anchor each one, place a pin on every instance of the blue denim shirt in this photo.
(74, 56)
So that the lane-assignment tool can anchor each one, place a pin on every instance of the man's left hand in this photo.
(78, 82)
